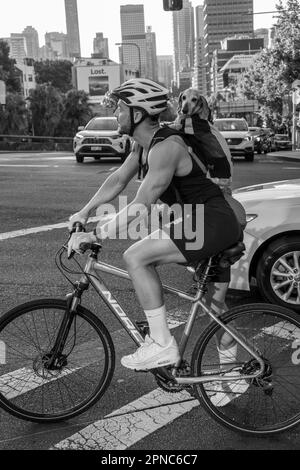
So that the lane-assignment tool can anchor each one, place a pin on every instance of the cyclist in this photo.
(170, 171)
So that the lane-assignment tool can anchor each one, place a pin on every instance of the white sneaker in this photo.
(151, 355)
(222, 393)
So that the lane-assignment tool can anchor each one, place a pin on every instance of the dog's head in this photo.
(191, 102)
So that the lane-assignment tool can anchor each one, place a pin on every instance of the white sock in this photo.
(229, 355)
(159, 330)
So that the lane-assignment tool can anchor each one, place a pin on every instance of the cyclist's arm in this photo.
(115, 183)
(163, 160)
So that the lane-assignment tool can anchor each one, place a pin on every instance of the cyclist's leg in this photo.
(141, 260)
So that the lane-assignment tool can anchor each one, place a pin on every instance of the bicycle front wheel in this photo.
(264, 405)
(29, 389)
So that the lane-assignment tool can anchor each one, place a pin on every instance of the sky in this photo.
(102, 16)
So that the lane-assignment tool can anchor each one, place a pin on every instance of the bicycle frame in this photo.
(91, 271)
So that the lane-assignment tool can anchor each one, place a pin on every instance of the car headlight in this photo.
(250, 217)
(247, 138)
(78, 137)
(258, 139)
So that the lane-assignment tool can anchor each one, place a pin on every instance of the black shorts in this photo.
(216, 228)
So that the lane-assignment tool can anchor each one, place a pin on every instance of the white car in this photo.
(238, 137)
(99, 138)
(272, 239)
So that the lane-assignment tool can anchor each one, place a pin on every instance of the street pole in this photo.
(139, 52)
(295, 89)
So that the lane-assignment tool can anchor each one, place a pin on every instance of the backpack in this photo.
(210, 153)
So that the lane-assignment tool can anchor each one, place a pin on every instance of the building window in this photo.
(30, 78)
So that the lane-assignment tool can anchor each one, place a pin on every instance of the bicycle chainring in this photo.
(167, 382)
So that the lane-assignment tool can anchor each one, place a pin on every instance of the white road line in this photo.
(119, 433)
(27, 166)
(291, 168)
(44, 228)
(24, 380)
(282, 330)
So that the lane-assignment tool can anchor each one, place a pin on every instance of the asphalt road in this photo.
(39, 191)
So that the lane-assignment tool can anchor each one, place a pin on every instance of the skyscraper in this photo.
(32, 42)
(225, 18)
(165, 69)
(133, 32)
(56, 46)
(100, 46)
(183, 34)
(72, 28)
(199, 75)
(151, 54)
(18, 49)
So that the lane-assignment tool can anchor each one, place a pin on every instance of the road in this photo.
(38, 193)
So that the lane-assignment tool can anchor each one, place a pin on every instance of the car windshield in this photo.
(100, 124)
(254, 130)
(281, 137)
(231, 125)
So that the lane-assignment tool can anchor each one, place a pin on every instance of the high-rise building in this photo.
(151, 54)
(56, 46)
(100, 46)
(183, 36)
(236, 46)
(72, 28)
(17, 47)
(32, 42)
(133, 33)
(165, 69)
(199, 75)
(224, 18)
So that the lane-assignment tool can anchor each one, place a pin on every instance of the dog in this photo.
(191, 102)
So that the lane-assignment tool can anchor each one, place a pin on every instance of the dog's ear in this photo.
(179, 102)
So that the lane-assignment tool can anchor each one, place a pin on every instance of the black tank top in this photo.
(194, 188)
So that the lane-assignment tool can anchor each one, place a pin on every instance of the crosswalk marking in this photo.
(139, 419)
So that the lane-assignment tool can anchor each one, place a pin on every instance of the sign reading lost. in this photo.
(2, 92)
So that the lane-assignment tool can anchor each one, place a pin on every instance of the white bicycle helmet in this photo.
(143, 93)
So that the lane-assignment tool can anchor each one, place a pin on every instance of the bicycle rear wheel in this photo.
(265, 405)
(28, 389)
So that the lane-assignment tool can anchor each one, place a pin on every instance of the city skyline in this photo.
(108, 21)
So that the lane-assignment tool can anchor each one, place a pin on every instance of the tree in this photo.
(76, 112)
(46, 106)
(14, 118)
(57, 73)
(270, 78)
(8, 71)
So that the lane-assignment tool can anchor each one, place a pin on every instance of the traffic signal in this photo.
(172, 5)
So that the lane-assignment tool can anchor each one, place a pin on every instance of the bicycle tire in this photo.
(289, 325)
(98, 331)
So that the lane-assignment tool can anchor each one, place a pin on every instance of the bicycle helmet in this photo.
(144, 94)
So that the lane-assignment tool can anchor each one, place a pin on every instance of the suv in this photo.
(282, 142)
(236, 133)
(99, 138)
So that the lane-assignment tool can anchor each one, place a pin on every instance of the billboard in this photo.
(96, 80)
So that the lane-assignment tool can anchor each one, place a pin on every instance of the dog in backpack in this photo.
(191, 102)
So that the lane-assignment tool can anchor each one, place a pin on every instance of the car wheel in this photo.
(278, 272)
(126, 151)
(79, 158)
(249, 157)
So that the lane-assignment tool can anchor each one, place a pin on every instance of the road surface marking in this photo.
(290, 168)
(27, 166)
(44, 228)
(121, 432)
(24, 380)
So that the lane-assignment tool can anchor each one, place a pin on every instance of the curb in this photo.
(290, 156)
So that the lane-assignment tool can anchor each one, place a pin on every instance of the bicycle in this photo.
(60, 357)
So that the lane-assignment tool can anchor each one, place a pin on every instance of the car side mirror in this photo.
(172, 5)
(80, 128)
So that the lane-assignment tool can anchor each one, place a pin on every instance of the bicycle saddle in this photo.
(230, 255)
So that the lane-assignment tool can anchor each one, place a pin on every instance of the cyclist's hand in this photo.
(78, 217)
(78, 240)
